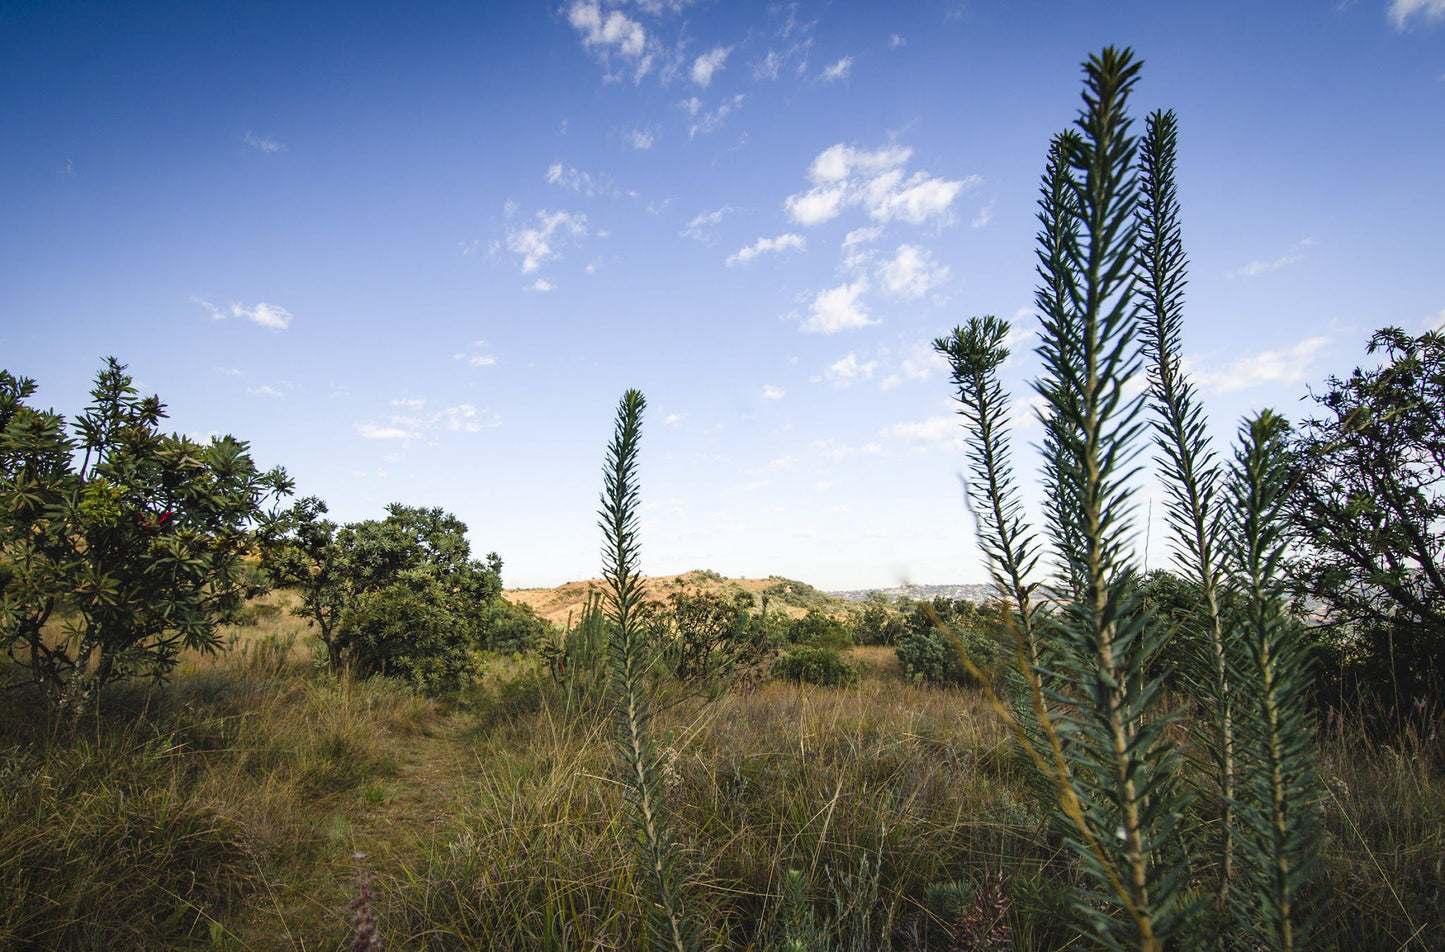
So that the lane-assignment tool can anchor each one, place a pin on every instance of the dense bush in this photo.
(818, 629)
(507, 628)
(407, 632)
(415, 563)
(825, 666)
(932, 654)
(876, 625)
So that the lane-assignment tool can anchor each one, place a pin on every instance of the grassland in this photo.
(226, 810)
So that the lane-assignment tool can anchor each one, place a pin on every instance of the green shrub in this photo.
(508, 628)
(820, 630)
(930, 655)
(876, 625)
(811, 665)
(407, 632)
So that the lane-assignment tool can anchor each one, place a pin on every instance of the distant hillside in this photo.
(785, 595)
(974, 593)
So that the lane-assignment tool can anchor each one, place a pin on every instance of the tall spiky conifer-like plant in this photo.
(1191, 476)
(1058, 241)
(631, 660)
(975, 353)
(1279, 794)
(1123, 768)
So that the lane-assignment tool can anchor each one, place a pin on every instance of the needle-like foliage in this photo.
(1280, 826)
(1123, 768)
(631, 661)
(1189, 471)
(975, 353)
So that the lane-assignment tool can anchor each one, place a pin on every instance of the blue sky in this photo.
(416, 252)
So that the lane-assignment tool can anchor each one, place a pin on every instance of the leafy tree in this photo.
(135, 540)
(821, 630)
(1369, 503)
(340, 573)
(301, 551)
(877, 624)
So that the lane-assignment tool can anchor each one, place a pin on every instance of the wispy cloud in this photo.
(708, 64)
(786, 242)
(580, 182)
(896, 42)
(266, 390)
(1403, 11)
(641, 139)
(839, 309)
(1286, 365)
(701, 227)
(923, 433)
(264, 143)
(477, 355)
(844, 176)
(1264, 266)
(536, 244)
(462, 418)
(912, 272)
(984, 216)
(710, 121)
(267, 315)
(612, 34)
(771, 392)
(837, 71)
(849, 370)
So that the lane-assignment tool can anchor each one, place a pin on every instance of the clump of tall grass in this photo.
(176, 815)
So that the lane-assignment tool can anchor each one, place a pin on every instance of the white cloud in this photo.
(850, 370)
(771, 392)
(536, 245)
(816, 206)
(1258, 267)
(767, 67)
(930, 432)
(267, 315)
(580, 182)
(709, 63)
(862, 236)
(844, 176)
(912, 272)
(710, 121)
(1438, 324)
(896, 42)
(787, 242)
(409, 403)
(701, 227)
(673, 419)
(984, 216)
(831, 449)
(838, 309)
(477, 356)
(691, 104)
(542, 285)
(1262, 267)
(1401, 11)
(641, 139)
(374, 432)
(265, 390)
(265, 144)
(1286, 365)
(838, 70)
(614, 33)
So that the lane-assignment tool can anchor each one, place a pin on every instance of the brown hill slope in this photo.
(784, 595)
